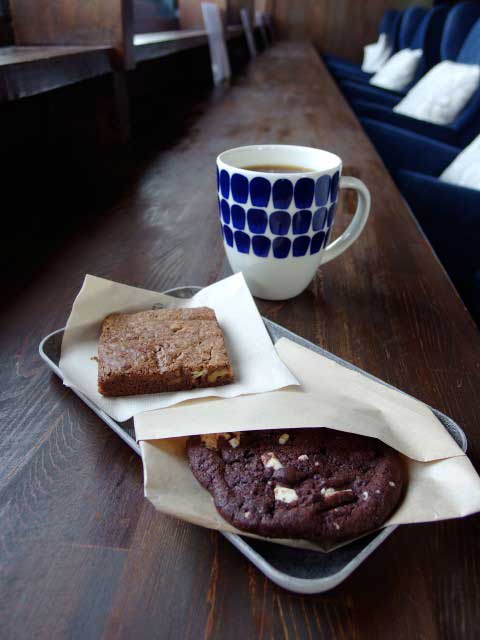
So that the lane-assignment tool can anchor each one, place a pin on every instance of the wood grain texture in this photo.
(263, 5)
(75, 22)
(28, 71)
(31, 70)
(149, 17)
(233, 10)
(152, 46)
(190, 13)
(338, 27)
(82, 553)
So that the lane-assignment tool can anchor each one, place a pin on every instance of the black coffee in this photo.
(277, 168)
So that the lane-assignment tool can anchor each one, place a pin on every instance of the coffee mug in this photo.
(276, 225)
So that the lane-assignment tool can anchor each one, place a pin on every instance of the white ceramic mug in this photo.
(276, 226)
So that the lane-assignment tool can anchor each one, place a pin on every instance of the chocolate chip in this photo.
(290, 475)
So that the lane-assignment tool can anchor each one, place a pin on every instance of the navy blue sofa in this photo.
(461, 131)
(457, 25)
(448, 214)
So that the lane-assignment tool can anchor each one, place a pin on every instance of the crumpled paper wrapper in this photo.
(256, 365)
(442, 482)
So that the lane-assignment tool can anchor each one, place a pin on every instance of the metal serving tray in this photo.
(297, 570)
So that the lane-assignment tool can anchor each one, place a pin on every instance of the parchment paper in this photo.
(330, 396)
(437, 490)
(442, 482)
(256, 365)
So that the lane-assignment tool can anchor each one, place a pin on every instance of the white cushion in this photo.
(465, 169)
(398, 71)
(375, 55)
(442, 93)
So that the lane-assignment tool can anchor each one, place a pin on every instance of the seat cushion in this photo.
(398, 71)
(376, 55)
(442, 94)
(465, 169)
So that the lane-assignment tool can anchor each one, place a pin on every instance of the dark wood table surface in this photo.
(83, 554)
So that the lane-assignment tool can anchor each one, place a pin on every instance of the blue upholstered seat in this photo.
(406, 26)
(441, 38)
(401, 149)
(448, 214)
(462, 130)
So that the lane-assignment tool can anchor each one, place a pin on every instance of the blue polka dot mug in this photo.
(276, 226)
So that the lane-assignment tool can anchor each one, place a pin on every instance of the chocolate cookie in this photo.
(315, 484)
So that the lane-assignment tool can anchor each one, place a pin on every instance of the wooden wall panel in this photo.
(190, 12)
(150, 19)
(263, 5)
(340, 27)
(74, 22)
(233, 11)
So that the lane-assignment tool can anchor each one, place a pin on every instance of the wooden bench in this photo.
(63, 42)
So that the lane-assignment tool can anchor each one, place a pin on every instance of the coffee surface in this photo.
(278, 168)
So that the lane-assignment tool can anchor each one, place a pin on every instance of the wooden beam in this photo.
(28, 71)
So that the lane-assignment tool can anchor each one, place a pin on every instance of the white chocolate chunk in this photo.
(302, 457)
(337, 526)
(330, 491)
(377, 491)
(283, 438)
(392, 484)
(365, 495)
(269, 459)
(284, 494)
(317, 464)
(199, 373)
(210, 440)
(234, 442)
(246, 514)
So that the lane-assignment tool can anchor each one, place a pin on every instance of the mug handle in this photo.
(355, 227)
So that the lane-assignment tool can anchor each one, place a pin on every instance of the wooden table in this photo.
(83, 554)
